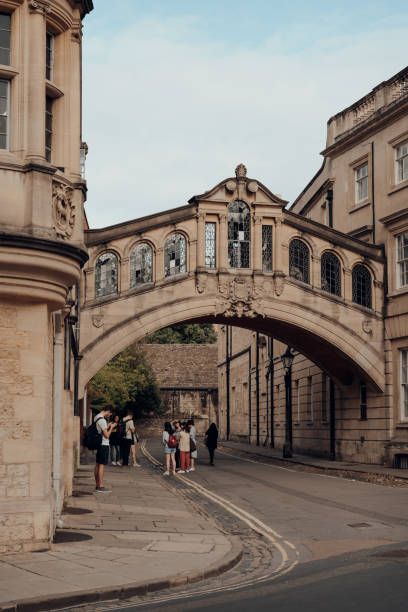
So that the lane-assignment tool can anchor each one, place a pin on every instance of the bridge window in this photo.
(267, 248)
(239, 239)
(331, 281)
(141, 265)
(402, 260)
(210, 244)
(299, 261)
(361, 286)
(175, 255)
(106, 275)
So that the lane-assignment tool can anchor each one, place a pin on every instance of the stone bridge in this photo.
(235, 255)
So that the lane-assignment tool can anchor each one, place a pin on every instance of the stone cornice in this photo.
(25, 241)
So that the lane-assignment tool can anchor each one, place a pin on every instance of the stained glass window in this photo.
(141, 265)
(299, 261)
(239, 235)
(330, 268)
(210, 244)
(106, 275)
(361, 281)
(267, 248)
(175, 255)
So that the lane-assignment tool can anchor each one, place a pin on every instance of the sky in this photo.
(176, 93)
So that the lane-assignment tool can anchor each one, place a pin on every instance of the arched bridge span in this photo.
(234, 255)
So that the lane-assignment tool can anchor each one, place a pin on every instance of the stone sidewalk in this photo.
(141, 537)
(316, 462)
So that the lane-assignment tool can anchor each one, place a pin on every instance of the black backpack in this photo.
(92, 439)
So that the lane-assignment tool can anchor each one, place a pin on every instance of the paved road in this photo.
(349, 540)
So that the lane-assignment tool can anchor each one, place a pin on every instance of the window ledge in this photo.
(398, 187)
(397, 292)
(401, 426)
(52, 90)
(8, 72)
(359, 206)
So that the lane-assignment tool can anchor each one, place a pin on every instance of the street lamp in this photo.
(173, 399)
(287, 360)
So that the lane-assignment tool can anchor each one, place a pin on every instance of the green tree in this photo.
(193, 333)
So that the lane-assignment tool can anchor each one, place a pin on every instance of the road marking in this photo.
(286, 565)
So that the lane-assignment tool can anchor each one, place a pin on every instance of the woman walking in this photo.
(211, 441)
(169, 451)
(193, 444)
(184, 446)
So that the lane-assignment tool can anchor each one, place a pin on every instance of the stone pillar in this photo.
(75, 101)
(124, 278)
(223, 244)
(347, 290)
(257, 245)
(159, 265)
(201, 240)
(277, 246)
(36, 80)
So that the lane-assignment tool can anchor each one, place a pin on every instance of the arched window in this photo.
(331, 280)
(141, 265)
(175, 255)
(299, 259)
(361, 286)
(239, 235)
(106, 275)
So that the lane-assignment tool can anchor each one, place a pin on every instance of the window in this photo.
(309, 400)
(48, 128)
(210, 244)
(401, 162)
(5, 39)
(106, 275)
(404, 385)
(330, 273)
(402, 260)
(4, 113)
(361, 178)
(175, 255)
(361, 281)
(299, 261)
(141, 265)
(363, 401)
(239, 238)
(267, 248)
(49, 56)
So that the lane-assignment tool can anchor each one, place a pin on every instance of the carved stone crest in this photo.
(239, 298)
(367, 327)
(240, 171)
(97, 320)
(63, 210)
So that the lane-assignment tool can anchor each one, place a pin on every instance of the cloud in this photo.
(168, 114)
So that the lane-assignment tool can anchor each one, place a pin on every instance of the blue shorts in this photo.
(102, 454)
(169, 451)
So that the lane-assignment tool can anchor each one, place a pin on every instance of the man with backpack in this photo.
(102, 452)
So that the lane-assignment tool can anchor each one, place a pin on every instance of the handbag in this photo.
(193, 446)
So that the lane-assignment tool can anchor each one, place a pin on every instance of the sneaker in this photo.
(166, 473)
(114, 463)
(103, 490)
(191, 470)
(181, 472)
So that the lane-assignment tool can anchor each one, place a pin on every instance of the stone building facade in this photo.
(361, 190)
(188, 380)
(42, 251)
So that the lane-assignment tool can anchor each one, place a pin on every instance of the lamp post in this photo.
(287, 360)
(173, 399)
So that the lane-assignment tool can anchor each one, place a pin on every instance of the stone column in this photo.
(277, 245)
(201, 240)
(347, 290)
(159, 265)
(223, 244)
(75, 100)
(257, 244)
(36, 80)
(124, 282)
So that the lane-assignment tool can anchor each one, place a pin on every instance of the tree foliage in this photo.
(192, 333)
(126, 382)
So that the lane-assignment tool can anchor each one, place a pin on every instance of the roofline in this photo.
(202, 196)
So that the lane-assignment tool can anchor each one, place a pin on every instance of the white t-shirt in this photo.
(129, 427)
(101, 426)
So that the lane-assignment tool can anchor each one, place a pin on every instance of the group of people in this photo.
(180, 446)
(120, 436)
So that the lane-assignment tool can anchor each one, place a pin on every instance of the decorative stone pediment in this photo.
(63, 210)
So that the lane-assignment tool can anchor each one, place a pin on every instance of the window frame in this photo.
(325, 255)
(4, 13)
(358, 267)
(116, 291)
(49, 69)
(49, 113)
(210, 246)
(399, 261)
(397, 160)
(7, 134)
(403, 403)
(132, 278)
(306, 270)
(359, 181)
(167, 273)
(235, 245)
(267, 247)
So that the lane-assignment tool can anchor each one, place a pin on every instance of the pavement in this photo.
(143, 536)
(316, 462)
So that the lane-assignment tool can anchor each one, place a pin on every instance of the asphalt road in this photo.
(350, 538)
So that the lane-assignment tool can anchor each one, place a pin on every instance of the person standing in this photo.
(102, 453)
(128, 437)
(184, 446)
(193, 450)
(169, 452)
(114, 442)
(176, 431)
(211, 441)
(133, 449)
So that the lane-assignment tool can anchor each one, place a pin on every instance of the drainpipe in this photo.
(57, 412)
(372, 190)
(332, 422)
(227, 374)
(257, 388)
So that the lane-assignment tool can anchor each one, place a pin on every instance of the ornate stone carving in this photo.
(97, 320)
(201, 283)
(240, 171)
(279, 282)
(40, 6)
(367, 326)
(63, 210)
(230, 186)
(252, 186)
(239, 298)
